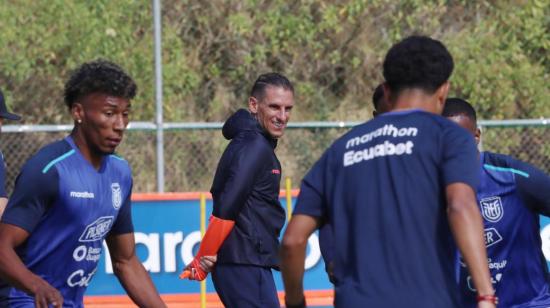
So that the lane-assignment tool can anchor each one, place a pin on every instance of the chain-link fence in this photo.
(191, 155)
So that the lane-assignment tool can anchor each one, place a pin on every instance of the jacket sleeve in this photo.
(242, 172)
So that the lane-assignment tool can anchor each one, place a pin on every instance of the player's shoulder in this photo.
(449, 127)
(48, 156)
(401, 123)
(119, 166)
(432, 120)
(252, 143)
(496, 163)
(118, 161)
(498, 160)
(421, 119)
(454, 133)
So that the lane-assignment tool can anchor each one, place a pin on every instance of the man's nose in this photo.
(282, 114)
(119, 124)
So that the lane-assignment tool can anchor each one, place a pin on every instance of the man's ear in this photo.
(477, 135)
(77, 112)
(387, 93)
(441, 95)
(253, 105)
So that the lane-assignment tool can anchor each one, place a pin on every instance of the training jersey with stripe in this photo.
(68, 207)
(511, 195)
(381, 187)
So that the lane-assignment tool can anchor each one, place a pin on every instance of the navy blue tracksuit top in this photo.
(246, 190)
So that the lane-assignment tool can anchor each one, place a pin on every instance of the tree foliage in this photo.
(332, 50)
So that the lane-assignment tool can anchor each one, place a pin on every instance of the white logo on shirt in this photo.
(97, 230)
(491, 209)
(494, 280)
(82, 194)
(117, 195)
(83, 252)
(492, 237)
(80, 279)
(380, 150)
(497, 265)
(386, 130)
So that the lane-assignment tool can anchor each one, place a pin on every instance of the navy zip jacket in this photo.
(246, 190)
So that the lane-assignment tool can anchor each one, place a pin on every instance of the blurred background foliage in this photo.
(214, 50)
(332, 50)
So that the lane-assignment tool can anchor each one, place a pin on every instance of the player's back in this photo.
(385, 189)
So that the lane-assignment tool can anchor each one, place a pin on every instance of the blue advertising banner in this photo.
(545, 236)
(167, 236)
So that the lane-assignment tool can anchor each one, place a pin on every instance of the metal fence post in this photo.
(158, 94)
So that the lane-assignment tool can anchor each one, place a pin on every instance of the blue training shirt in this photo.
(511, 196)
(381, 187)
(68, 207)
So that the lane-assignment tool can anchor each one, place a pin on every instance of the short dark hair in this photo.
(99, 76)
(270, 79)
(417, 62)
(377, 95)
(457, 106)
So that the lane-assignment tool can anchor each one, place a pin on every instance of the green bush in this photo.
(213, 51)
(332, 50)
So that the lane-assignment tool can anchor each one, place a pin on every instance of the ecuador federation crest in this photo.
(491, 209)
(116, 195)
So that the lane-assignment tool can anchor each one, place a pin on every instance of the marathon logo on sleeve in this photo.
(97, 230)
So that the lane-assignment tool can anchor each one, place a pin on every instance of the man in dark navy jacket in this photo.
(511, 195)
(247, 217)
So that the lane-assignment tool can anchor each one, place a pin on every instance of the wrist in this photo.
(33, 284)
(491, 298)
(301, 304)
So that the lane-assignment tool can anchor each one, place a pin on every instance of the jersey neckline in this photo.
(401, 112)
(71, 142)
